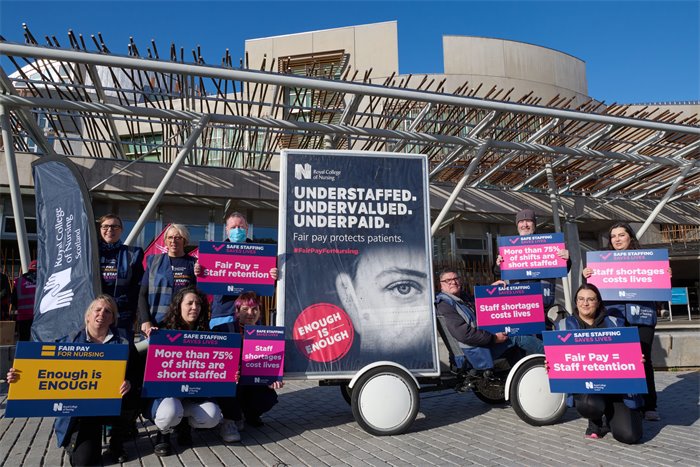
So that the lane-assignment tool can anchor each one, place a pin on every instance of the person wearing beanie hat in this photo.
(526, 223)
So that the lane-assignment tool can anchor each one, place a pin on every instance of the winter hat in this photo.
(526, 214)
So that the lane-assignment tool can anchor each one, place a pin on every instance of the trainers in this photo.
(595, 430)
(652, 416)
(229, 432)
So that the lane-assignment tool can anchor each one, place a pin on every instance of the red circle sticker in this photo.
(323, 332)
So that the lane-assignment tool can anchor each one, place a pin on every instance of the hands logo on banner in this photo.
(54, 295)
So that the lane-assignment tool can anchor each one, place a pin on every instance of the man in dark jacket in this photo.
(121, 270)
(480, 347)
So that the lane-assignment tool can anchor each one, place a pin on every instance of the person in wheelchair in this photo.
(480, 347)
(622, 413)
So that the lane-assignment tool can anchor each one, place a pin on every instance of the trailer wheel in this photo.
(530, 396)
(385, 401)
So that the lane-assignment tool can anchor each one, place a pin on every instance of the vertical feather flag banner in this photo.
(68, 269)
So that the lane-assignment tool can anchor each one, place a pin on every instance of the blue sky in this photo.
(634, 51)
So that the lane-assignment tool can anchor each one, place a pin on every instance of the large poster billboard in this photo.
(356, 273)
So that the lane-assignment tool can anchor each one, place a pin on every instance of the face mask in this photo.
(237, 235)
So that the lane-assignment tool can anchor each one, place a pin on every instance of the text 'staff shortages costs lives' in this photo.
(631, 275)
(606, 361)
(67, 379)
(234, 268)
(356, 283)
(515, 310)
(191, 364)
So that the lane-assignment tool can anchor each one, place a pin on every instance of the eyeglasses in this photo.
(586, 299)
(176, 238)
(110, 227)
(453, 280)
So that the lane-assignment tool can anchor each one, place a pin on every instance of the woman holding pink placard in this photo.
(621, 411)
(188, 311)
(640, 314)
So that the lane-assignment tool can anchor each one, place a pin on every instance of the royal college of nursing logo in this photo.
(302, 171)
(58, 406)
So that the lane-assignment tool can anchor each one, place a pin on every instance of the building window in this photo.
(139, 145)
(10, 226)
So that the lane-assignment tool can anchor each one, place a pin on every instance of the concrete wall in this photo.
(676, 348)
(511, 64)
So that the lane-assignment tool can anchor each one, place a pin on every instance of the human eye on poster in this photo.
(357, 276)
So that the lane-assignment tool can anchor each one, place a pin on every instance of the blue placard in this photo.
(532, 256)
(191, 364)
(67, 379)
(605, 361)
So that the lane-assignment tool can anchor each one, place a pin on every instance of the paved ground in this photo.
(314, 426)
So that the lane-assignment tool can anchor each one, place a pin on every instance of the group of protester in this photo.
(621, 414)
(163, 295)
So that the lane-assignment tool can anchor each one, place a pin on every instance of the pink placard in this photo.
(176, 363)
(503, 311)
(632, 274)
(597, 361)
(248, 269)
(531, 257)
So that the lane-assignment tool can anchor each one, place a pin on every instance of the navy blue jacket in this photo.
(125, 287)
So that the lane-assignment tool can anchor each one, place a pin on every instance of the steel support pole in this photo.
(554, 201)
(458, 188)
(197, 128)
(684, 173)
(15, 193)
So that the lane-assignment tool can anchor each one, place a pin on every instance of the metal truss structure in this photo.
(93, 103)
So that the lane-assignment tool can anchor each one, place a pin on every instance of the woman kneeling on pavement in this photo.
(250, 401)
(82, 436)
(188, 311)
(616, 413)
